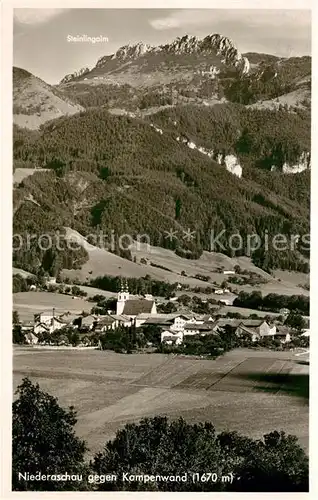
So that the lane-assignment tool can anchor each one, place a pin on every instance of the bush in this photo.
(157, 446)
(43, 439)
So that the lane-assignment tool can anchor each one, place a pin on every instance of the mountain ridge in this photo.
(164, 139)
(36, 102)
(211, 44)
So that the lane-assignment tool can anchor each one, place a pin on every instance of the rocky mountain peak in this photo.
(73, 76)
(215, 44)
(131, 51)
(183, 45)
(225, 48)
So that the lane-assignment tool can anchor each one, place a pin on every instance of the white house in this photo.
(44, 316)
(179, 322)
(266, 329)
(48, 326)
(257, 329)
(106, 323)
(122, 320)
(169, 337)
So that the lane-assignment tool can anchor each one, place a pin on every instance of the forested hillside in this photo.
(35, 101)
(115, 173)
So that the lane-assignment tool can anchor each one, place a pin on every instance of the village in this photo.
(170, 328)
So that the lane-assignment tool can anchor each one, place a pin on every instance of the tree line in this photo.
(273, 302)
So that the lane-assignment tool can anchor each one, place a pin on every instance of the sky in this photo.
(41, 43)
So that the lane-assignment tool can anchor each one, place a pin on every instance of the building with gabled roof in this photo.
(88, 322)
(105, 323)
(169, 337)
(283, 333)
(133, 307)
(48, 326)
(258, 329)
(70, 319)
(41, 328)
(198, 329)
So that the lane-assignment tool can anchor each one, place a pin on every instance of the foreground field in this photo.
(252, 392)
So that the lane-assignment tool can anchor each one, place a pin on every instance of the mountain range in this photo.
(191, 134)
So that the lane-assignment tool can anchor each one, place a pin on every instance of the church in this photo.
(127, 306)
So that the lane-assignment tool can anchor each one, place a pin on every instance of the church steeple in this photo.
(122, 296)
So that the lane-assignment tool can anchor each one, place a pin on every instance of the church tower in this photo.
(122, 297)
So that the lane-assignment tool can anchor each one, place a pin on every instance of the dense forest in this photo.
(116, 173)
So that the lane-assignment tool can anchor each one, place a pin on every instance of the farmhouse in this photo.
(197, 329)
(122, 320)
(223, 322)
(47, 322)
(88, 322)
(162, 320)
(179, 321)
(250, 332)
(106, 323)
(257, 329)
(70, 319)
(169, 337)
(182, 325)
(44, 316)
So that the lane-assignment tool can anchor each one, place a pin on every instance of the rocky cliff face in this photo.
(303, 163)
(212, 44)
(230, 162)
(76, 74)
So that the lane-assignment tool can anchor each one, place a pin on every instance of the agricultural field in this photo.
(252, 392)
(243, 311)
(29, 303)
(22, 173)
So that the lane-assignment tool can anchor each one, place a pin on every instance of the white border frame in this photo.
(6, 231)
